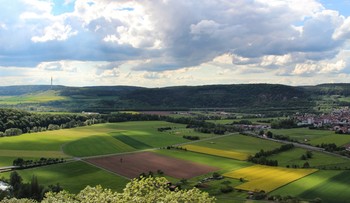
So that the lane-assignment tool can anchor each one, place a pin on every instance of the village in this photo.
(338, 120)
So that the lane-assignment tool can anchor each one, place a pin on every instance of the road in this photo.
(304, 146)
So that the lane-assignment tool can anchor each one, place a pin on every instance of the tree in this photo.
(15, 181)
(150, 189)
(18, 162)
(306, 165)
(261, 132)
(269, 134)
(309, 154)
(36, 189)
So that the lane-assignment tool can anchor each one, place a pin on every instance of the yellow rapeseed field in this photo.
(217, 152)
(267, 178)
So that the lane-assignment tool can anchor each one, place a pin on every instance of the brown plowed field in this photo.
(132, 165)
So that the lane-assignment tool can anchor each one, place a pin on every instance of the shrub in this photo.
(226, 189)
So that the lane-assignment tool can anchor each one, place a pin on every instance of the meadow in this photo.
(73, 176)
(41, 97)
(293, 157)
(239, 143)
(314, 137)
(329, 185)
(301, 134)
(253, 120)
(92, 140)
(337, 139)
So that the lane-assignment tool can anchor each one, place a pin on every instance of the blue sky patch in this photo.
(60, 7)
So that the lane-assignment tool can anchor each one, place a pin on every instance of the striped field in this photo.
(267, 178)
(217, 152)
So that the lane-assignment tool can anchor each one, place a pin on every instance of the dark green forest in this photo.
(238, 98)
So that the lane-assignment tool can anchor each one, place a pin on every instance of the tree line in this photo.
(261, 156)
(15, 122)
(21, 163)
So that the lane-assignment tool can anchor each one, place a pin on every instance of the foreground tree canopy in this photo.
(138, 190)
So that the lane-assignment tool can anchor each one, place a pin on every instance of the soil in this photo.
(132, 165)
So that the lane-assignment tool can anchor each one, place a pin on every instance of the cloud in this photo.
(309, 69)
(148, 38)
(56, 31)
(108, 69)
(66, 66)
(343, 31)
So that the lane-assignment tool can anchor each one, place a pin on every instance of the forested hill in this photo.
(342, 89)
(112, 98)
(242, 97)
(220, 96)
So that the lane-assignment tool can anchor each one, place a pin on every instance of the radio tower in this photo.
(51, 82)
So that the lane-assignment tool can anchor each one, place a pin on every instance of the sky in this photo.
(157, 43)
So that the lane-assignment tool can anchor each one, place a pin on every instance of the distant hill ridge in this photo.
(215, 96)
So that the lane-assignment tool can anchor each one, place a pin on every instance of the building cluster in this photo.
(252, 127)
(338, 120)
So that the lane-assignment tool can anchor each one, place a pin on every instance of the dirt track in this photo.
(132, 165)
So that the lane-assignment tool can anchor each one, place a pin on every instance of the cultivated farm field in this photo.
(329, 185)
(267, 178)
(217, 152)
(239, 143)
(112, 153)
(132, 165)
(90, 140)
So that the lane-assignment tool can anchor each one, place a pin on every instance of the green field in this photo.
(130, 141)
(110, 138)
(7, 156)
(293, 157)
(239, 143)
(41, 97)
(96, 145)
(313, 136)
(226, 164)
(329, 185)
(73, 176)
(301, 134)
(253, 120)
(95, 140)
(337, 139)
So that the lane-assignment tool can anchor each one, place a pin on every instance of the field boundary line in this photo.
(150, 149)
(91, 164)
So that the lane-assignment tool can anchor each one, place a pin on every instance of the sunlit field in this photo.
(267, 178)
(217, 152)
